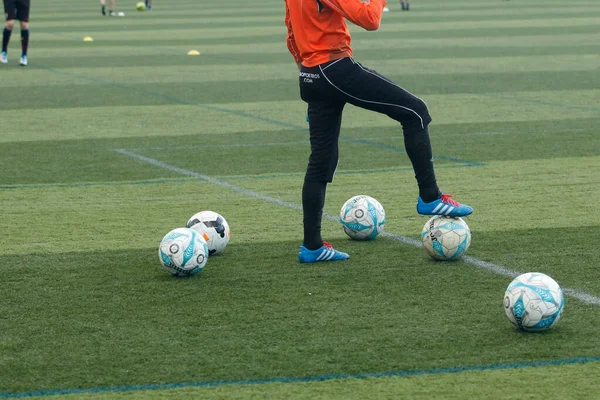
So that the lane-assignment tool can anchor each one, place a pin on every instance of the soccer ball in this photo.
(213, 227)
(446, 238)
(533, 302)
(362, 217)
(183, 252)
(140, 6)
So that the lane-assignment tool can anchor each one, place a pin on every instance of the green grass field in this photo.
(108, 145)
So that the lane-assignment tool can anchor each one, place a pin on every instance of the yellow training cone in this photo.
(88, 39)
(193, 53)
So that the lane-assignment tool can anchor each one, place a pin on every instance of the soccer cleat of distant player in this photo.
(325, 253)
(444, 206)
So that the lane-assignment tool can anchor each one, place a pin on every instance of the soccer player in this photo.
(149, 5)
(319, 41)
(111, 7)
(16, 9)
(405, 4)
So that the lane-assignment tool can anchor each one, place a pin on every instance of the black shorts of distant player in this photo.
(17, 9)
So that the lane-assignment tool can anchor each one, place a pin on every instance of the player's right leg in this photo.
(10, 12)
(324, 121)
(324, 118)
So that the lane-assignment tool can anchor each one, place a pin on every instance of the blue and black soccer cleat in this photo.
(325, 253)
(443, 206)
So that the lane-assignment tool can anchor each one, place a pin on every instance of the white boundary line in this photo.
(497, 269)
(224, 145)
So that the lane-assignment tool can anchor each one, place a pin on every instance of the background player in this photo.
(111, 7)
(330, 78)
(16, 9)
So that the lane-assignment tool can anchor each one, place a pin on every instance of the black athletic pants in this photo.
(327, 88)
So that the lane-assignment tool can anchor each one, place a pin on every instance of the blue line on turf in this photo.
(313, 378)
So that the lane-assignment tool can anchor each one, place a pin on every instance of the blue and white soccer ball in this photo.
(213, 228)
(183, 252)
(362, 217)
(533, 302)
(446, 238)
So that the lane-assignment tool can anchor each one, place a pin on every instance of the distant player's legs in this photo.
(111, 7)
(367, 89)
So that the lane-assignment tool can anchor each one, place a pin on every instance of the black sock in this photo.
(418, 148)
(24, 41)
(5, 39)
(313, 200)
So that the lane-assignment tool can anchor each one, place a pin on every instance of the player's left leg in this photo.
(23, 17)
(367, 89)
(24, 42)
(10, 10)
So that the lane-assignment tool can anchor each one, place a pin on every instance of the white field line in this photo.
(223, 145)
(497, 269)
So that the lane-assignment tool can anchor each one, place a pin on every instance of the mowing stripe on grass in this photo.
(314, 378)
(223, 178)
(578, 294)
(224, 110)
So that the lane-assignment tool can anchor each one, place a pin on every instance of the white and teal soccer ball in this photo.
(446, 238)
(213, 228)
(533, 302)
(362, 217)
(183, 252)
